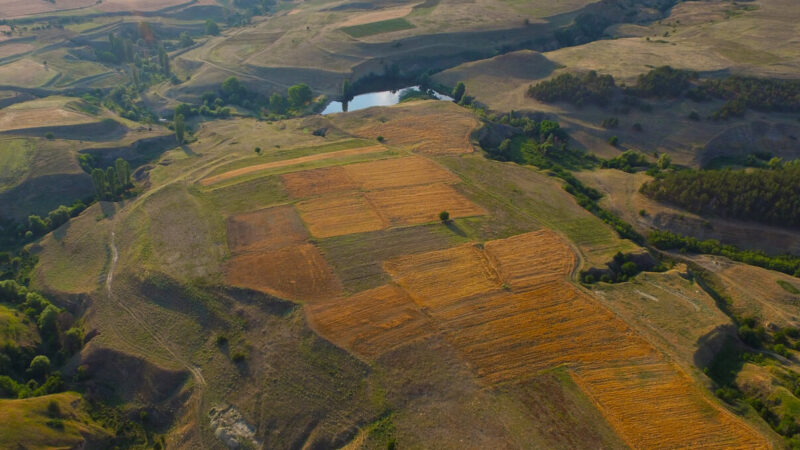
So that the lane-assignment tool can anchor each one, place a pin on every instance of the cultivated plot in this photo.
(339, 214)
(371, 322)
(421, 204)
(272, 228)
(398, 172)
(297, 272)
(309, 183)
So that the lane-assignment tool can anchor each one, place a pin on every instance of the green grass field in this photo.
(384, 26)
(15, 159)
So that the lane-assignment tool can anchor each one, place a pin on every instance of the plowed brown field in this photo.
(372, 322)
(291, 162)
(540, 321)
(309, 183)
(421, 204)
(398, 172)
(272, 228)
(337, 215)
(297, 272)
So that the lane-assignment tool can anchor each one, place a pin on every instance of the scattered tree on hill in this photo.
(664, 82)
(163, 60)
(277, 103)
(212, 28)
(180, 128)
(123, 172)
(300, 95)
(664, 161)
(40, 366)
(444, 216)
(458, 92)
(184, 40)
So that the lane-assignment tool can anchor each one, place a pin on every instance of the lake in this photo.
(383, 98)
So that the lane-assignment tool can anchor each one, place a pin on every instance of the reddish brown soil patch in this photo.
(297, 272)
(309, 183)
(272, 228)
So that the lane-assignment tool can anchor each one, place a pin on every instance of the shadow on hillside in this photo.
(718, 354)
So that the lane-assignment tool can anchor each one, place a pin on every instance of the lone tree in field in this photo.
(212, 28)
(444, 216)
(180, 128)
(347, 91)
(458, 92)
(300, 95)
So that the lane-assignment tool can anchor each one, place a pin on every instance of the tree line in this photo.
(30, 371)
(769, 196)
(740, 93)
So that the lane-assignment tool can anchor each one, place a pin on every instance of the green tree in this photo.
(277, 103)
(212, 28)
(99, 182)
(37, 225)
(180, 128)
(444, 216)
(458, 92)
(184, 40)
(48, 320)
(111, 179)
(163, 60)
(664, 161)
(59, 216)
(40, 366)
(300, 95)
(123, 172)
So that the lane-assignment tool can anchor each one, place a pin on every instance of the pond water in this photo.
(383, 98)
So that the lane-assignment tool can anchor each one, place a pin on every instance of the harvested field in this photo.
(372, 322)
(358, 259)
(37, 114)
(421, 204)
(512, 257)
(438, 278)
(291, 162)
(398, 172)
(10, 9)
(442, 128)
(511, 322)
(273, 229)
(297, 272)
(309, 183)
(338, 215)
(651, 405)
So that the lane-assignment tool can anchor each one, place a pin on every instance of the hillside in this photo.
(532, 225)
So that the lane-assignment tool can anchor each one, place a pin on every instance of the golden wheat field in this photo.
(398, 172)
(650, 406)
(371, 322)
(510, 311)
(336, 215)
(421, 204)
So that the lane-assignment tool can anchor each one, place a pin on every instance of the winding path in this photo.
(200, 381)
